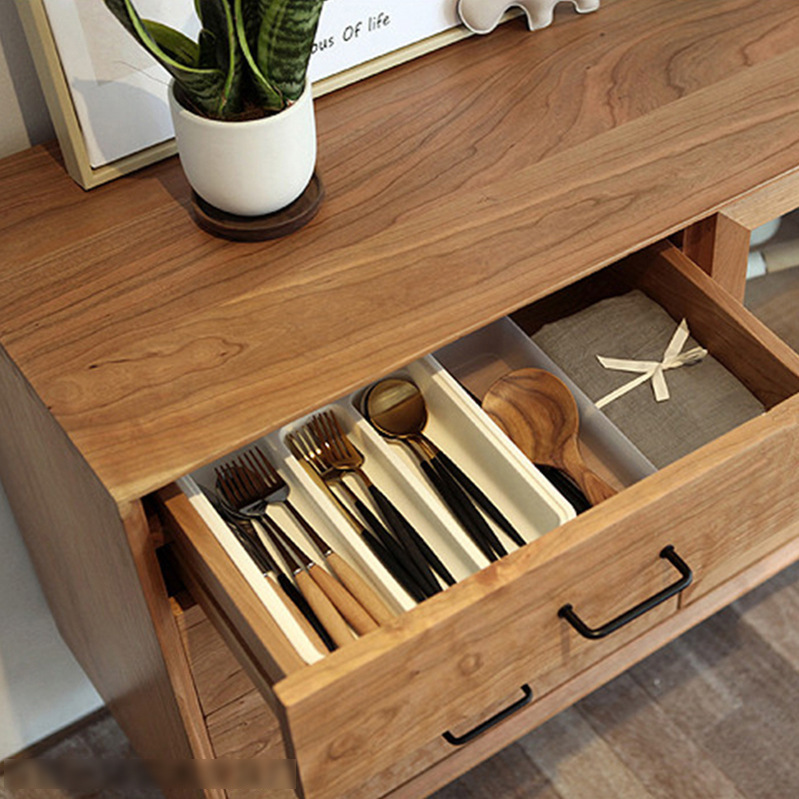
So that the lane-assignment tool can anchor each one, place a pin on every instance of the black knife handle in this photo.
(456, 504)
(490, 509)
(394, 547)
(414, 544)
(566, 487)
(477, 521)
(422, 546)
(394, 568)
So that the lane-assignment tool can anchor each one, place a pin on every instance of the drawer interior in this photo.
(730, 333)
(352, 713)
(668, 281)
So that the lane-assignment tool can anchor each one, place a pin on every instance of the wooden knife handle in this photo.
(331, 619)
(309, 631)
(360, 589)
(345, 603)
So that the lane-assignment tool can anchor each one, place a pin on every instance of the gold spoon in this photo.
(539, 414)
(397, 409)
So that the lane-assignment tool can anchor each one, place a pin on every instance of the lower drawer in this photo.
(374, 702)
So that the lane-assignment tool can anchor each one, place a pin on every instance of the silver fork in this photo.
(355, 600)
(245, 492)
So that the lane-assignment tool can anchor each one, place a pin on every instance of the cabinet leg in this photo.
(720, 246)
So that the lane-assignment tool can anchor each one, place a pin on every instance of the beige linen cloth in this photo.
(705, 401)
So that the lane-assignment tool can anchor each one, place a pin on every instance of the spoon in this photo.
(397, 409)
(539, 414)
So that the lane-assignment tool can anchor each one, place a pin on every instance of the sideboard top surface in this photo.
(460, 186)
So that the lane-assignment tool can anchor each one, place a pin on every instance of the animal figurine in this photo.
(482, 16)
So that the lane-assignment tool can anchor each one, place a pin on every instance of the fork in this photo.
(303, 446)
(245, 533)
(346, 457)
(355, 599)
(232, 479)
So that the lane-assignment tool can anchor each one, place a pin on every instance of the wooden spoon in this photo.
(539, 414)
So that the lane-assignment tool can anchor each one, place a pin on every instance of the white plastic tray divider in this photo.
(506, 473)
(251, 573)
(482, 357)
(464, 432)
(411, 496)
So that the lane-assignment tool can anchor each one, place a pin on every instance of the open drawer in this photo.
(374, 702)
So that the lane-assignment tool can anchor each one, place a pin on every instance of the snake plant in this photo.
(250, 58)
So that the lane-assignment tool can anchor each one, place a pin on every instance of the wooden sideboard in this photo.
(460, 187)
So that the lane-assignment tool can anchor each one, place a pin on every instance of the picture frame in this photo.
(72, 138)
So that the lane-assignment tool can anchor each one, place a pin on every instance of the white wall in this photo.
(25, 120)
(41, 686)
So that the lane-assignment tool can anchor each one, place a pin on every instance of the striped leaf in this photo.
(218, 44)
(247, 18)
(174, 43)
(285, 39)
(207, 87)
(250, 54)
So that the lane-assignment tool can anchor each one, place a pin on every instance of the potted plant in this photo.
(240, 99)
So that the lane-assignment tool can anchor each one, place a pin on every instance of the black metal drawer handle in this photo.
(460, 740)
(567, 611)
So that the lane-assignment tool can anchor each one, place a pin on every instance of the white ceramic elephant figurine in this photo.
(482, 16)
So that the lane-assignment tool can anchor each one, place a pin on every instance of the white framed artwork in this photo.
(108, 98)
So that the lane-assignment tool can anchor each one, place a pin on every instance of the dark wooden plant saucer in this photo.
(260, 228)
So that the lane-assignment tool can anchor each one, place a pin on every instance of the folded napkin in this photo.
(705, 400)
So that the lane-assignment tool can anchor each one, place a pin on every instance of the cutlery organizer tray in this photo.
(367, 717)
(458, 427)
(486, 355)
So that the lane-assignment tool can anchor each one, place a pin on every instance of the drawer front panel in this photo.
(465, 652)
(373, 703)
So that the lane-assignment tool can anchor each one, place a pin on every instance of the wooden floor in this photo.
(714, 715)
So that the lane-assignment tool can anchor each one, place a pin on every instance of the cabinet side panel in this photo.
(85, 561)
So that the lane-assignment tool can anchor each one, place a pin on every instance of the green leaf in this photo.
(207, 46)
(203, 86)
(218, 38)
(285, 39)
(174, 43)
(250, 53)
(246, 13)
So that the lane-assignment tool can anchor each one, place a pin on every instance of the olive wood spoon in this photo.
(539, 414)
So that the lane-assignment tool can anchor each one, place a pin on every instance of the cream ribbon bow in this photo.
(673, 358)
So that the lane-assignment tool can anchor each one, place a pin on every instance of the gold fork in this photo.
(347, 457)
(302, 445)
(343, 455)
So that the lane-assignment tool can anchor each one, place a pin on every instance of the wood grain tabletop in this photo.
(460, 186)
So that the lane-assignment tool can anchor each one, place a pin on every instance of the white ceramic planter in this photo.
(248, 168)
